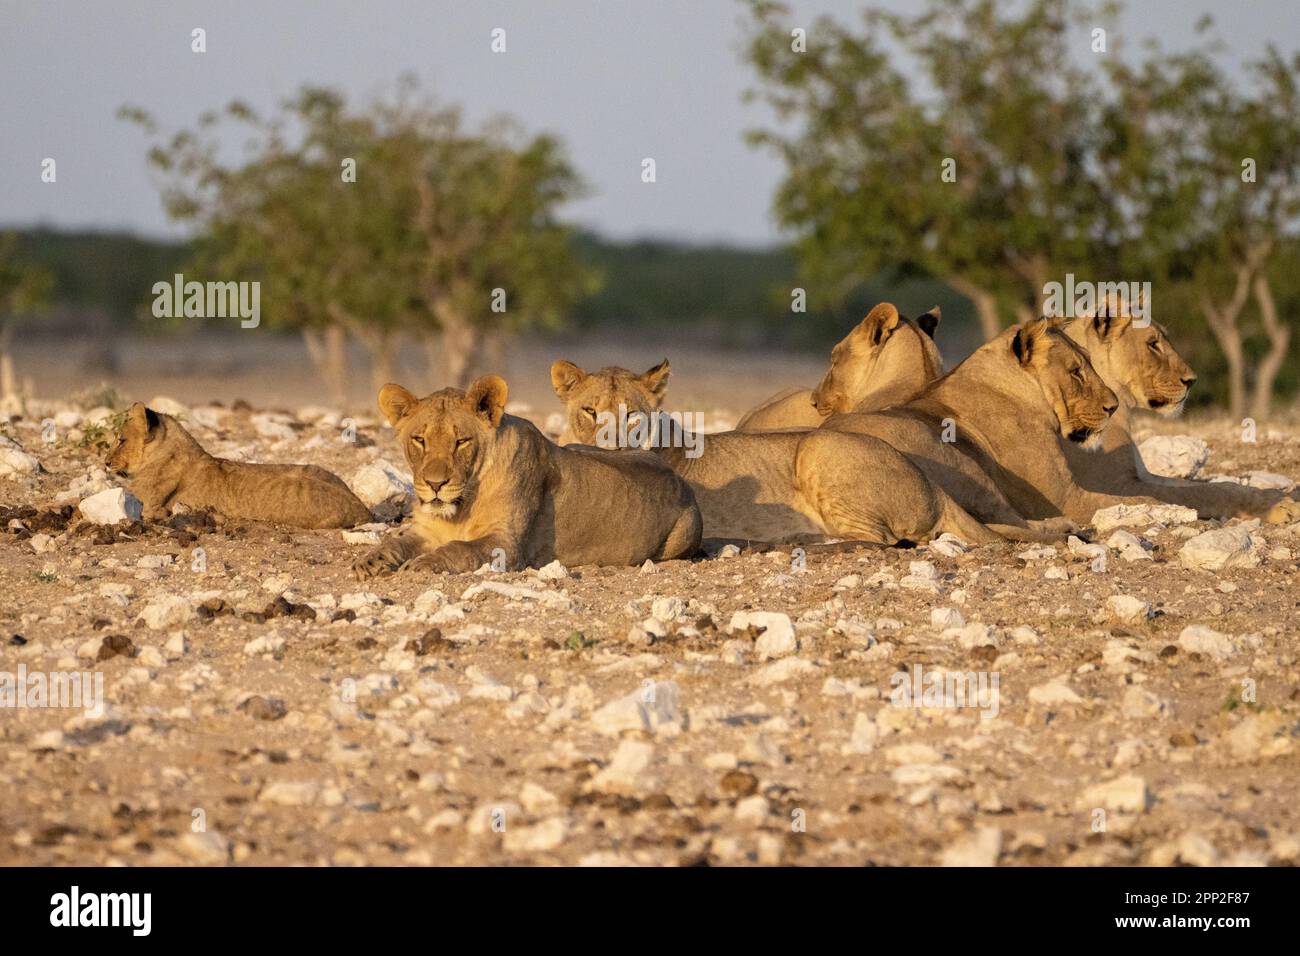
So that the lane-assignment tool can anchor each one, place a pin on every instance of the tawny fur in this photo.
(805, 485)
(884, 360)
(1141, 366)
(492, 487)
(989, 431)
(165, 466)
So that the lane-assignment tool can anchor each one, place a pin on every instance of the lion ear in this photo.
(656, 379)
(487, 397)
(930, 321)
(880, 323)
(395, 402)
(1028, 340)
(1108, 325)
(144, 419)
(565, 376)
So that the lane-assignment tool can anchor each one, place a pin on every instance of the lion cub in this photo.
(494, 490)
(164, 465)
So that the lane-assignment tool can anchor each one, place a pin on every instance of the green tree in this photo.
(381, 223)
(980, 177)
(24, 290)
(1207, 176)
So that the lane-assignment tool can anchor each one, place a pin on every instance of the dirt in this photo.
(262, 707)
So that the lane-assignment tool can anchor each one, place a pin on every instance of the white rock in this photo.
(208, 848)
(1054, 694)
(1174, 456)
(653, 707)
(776, 640)
(15, 462)
(946, 617)
(268, 645)
(167, 612)
(1129, 546)
(41, 543)
(1123, 795)
(165, 405)
(1234, 547)
(177, 646)
(1140, 516)
(287, 794)
(274, 426)
(555, 571)
(383, 489)
(949, 545)
(111, 506)
(981, 848)
(361, 537)
(623, 774)
(864, 736)
(1197, 638)
(1269, 481)
(781, 671)
(1127, 609)
(542, 837)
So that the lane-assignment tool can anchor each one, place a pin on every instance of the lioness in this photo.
(164, 465)
(885, 359)
(797, 485)
(1141, 366)
(987, 432)
(589, 397)
(491, 486)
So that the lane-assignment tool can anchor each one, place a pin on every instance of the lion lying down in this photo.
(164, 466)
(796, 485)
(493, 488)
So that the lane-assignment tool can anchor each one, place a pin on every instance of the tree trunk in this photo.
(328, 351)
(459, 343)
(1223, 322)
(986, 306)
(1279, 339)
(8, 381)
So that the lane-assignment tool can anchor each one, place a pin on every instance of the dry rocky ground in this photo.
(262, 707)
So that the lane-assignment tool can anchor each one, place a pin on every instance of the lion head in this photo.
(446, 437)
(1072, 388)
(148, 439)
(883, 350)
(611, 396)
(1139, 362)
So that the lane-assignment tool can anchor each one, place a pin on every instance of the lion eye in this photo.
(590, 411)
(417, 440)
(461, 442)
(1078, 372)
(1154, 345)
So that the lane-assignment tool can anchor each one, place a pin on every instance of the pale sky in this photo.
(617, 80)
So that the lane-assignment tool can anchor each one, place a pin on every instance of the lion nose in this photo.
(1189, 379)
(1110, 407)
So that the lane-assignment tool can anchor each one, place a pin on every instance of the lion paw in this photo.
(1284, 512)
(384, 559)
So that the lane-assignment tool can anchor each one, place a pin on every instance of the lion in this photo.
(164, 465)
(1142, 367)
(778, 487)
(988, 432)
(593, 397)
(884, 360)
(492, 488)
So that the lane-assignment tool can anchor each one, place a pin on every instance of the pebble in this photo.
(1234, 547)
(111, 506)
(777, 638)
